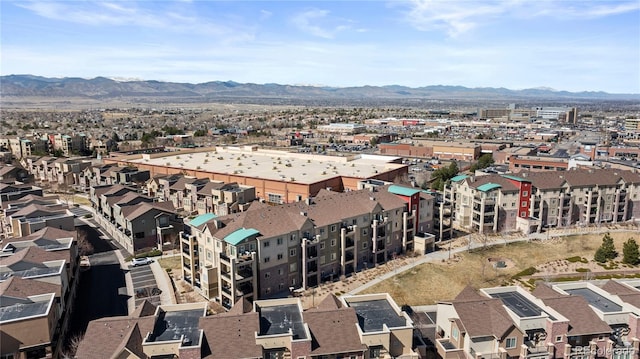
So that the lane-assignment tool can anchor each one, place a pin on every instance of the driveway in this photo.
(144, 285)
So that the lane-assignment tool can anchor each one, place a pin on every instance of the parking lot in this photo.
(144, 285)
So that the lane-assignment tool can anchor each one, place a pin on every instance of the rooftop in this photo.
(12, 308)
(518, 304)
(458, 178)
(275, 165)
(403, 191)
(595, 299)
(239, 235)
(278, 319)
(202, 219)
(173, 325)
(488, 187)
(372, 314)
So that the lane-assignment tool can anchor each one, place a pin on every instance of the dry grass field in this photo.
(431, 282)
(172, 263)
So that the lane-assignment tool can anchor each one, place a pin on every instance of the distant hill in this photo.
(101, 88)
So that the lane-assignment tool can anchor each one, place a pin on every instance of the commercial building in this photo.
(462, 151)
(277, 176)
(268, 250)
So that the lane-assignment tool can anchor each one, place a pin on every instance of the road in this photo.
(98, 287)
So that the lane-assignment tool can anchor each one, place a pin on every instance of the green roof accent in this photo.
(240, 235)
(488, 187)
(515, 178)
(459, 178)
(202, 219)
(403, 191)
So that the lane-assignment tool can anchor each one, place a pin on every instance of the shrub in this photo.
(151, 253)
(527, 272)
(577, 259)
(583, 270)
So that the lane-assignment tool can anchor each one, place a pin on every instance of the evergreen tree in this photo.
(607, 250)
(630, 252)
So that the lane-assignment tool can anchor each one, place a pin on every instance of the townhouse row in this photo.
(355, 327)
(38, 285)
(532, 201)
(573, 320)
(270, 250)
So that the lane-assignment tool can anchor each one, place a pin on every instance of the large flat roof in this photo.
(275, 165)
(372, 314)
(278, 319)
(595, 299)
(12, 308)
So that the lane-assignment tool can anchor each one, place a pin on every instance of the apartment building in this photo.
(69, 144)
(357, 327)
(535, 200)
(38, 281)
(58, 170)
(488, 204)
(562, 320)
(166, 331)
(24, 147)
(136, 221)
(268, 250)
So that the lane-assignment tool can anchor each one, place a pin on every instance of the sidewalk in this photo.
(167, 296)
(131, 302)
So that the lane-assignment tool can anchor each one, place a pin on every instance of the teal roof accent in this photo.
(459, 178)
(239, 235)
(202, 219)
(403, 191)
(515, 178)
(488, 187)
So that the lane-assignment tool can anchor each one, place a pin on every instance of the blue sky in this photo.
(562, 44)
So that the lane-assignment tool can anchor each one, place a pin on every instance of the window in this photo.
(267, 259)
(365, 245)
(322, 260)
(139, 235)
(523, 204)
(333, 256)
(558, 338)
(280, 255)
(333, 242)
(267, 274)
(333, 228)
(511, 343)
(279, 271)
(209, 255)
(293, 237)
(274, 198)
(364, 231)
(525, 193)
(265, 244)
(293, 267)
(322, 245)
(292, 252)
(293, 281)
(455, 333)
(513, 204)
(279, 241)
(321, 231)
(523, 214)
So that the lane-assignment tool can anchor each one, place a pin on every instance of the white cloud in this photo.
(311, 23)
(456, 17)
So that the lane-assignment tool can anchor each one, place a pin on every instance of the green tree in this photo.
(630, 252)
(607, 250)
(442, 175)
(373, 141)
(200, 133)
(484, 161)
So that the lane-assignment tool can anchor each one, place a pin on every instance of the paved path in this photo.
(474, 241)
(435, 257)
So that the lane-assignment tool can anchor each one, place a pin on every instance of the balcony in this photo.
(312, 267)
(348, 256)
(446, 349)
(410, 225)
(349, 243)
(227, 290)
(244, 273)
(312, 252)
(186, 266)
(185, 236)
(380, 246)
(381, 232)
(185, 250)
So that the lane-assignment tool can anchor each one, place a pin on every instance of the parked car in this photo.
(141, 261)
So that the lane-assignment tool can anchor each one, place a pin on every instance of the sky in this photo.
(560, 44)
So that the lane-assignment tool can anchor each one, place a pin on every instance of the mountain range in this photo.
(102, 88)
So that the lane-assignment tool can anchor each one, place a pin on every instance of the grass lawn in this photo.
(432, 282)
(170, 262)
(81, 200)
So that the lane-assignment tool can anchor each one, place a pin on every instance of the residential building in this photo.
(532, 201)
(38, 285)
(136, 221)
(563, 320)
(149, 332)
(69, 144)
(268, 250)
(357, 327)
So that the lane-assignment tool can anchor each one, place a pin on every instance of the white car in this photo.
(141, 261)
